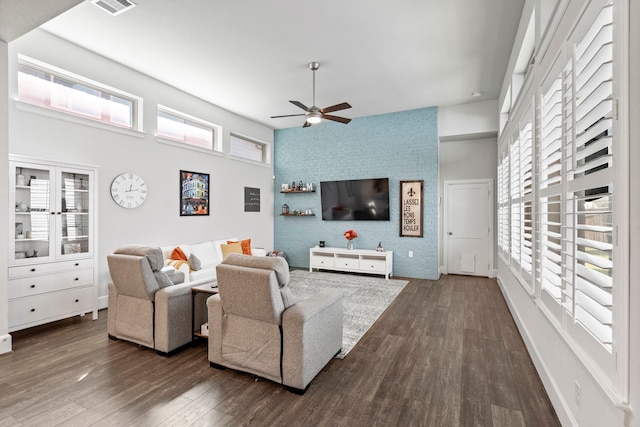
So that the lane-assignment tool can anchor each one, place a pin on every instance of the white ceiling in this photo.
(251, 56)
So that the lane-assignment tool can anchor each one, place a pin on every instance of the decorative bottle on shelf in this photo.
(20, 179)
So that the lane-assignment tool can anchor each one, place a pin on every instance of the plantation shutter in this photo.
(516, 214)
(526, 195)
(550, 202)
(503, 205)
(591, 179)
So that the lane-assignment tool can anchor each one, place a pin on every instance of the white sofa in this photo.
(209, 253)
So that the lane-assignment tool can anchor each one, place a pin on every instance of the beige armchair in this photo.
(145, 306)
(256, 326)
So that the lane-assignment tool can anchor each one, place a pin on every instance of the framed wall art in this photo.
(411, 208)
(194, 193)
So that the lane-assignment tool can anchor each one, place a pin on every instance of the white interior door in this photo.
(468, 227)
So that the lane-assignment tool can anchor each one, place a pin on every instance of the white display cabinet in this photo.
(52, 211)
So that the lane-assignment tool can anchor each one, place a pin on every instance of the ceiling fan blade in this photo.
(306, 124)
(287, 115)
(336, 118)
(300, 104)
(336, 107)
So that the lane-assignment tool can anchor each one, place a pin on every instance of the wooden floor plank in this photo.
(445, 353)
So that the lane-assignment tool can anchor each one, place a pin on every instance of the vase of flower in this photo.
(350, 235)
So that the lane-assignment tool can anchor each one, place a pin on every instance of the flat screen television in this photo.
(355, 199)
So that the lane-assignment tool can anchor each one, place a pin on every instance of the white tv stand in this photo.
(356, 260)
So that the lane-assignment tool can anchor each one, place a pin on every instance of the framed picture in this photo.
(411, 208)
(194, 193)
(71, 248)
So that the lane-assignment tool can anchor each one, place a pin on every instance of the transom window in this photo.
(56, 89)
(248, 149)
(185, 129)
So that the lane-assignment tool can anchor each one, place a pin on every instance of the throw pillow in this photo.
(177, 263)
(178, 254)
(231, 248)
(194, 262)
(246, 245)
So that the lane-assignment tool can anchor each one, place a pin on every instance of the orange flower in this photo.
(350, 234)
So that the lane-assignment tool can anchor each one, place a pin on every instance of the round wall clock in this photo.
(128, 190)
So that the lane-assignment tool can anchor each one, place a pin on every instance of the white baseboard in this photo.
(5, 343)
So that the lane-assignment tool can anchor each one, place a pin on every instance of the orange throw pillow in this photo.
(178, 254)
(246, 245)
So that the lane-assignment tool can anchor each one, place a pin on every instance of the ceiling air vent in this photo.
(114, 7)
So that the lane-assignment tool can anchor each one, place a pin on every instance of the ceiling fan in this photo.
(314, 114)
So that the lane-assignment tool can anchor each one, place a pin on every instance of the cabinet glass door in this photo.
(33, 213)
(74, 213)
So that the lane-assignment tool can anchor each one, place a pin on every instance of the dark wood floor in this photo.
(445, 353)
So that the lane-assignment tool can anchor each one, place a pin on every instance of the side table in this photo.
(205, 288)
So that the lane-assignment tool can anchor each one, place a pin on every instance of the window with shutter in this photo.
(591, 179)
(571, 198)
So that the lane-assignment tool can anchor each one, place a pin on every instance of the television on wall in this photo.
(355, 199)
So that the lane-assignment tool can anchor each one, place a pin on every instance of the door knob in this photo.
(450, 233)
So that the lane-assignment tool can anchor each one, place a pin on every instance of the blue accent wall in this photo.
(401, 146)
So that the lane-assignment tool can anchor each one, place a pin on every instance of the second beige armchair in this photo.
(257, 326)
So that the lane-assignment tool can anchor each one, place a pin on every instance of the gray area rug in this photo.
(365, 299)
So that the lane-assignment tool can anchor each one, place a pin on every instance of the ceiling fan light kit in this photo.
(313, 114)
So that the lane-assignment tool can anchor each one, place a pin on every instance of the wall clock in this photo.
(128, 190)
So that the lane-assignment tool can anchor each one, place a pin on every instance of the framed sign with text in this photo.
(251, 199)
(411, 208)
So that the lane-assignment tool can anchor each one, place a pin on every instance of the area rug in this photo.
(365, 299)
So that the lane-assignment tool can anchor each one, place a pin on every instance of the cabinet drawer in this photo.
(27, 286)
(52, 267)
(347, 262)
(36, 309)
(376, 265)
(322, 260)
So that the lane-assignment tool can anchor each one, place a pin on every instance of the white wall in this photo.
(468, 121)
(157, 221)
(634, 256)
(467, 150)
(5, 338)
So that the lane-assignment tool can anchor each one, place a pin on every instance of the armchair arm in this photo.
(312, 335)
(214, 307)
(173, 317)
